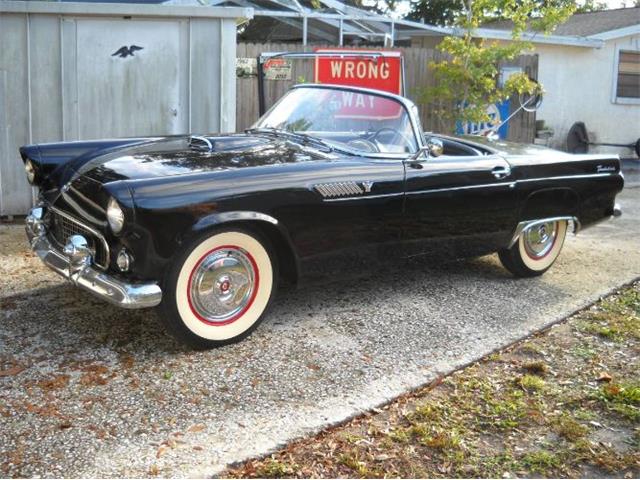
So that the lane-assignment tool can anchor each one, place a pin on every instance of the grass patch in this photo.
(622, 398)
(570, 429)
(541, 462)
(584, 351)
(272, 468)
(360, 467)
(531, 383)
(352, 438)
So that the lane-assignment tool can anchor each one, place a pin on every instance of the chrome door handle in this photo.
(501, 172)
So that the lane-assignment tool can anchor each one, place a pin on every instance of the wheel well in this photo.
(287, 260)
(550, 203)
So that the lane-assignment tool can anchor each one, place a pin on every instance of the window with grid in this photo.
(628, 82)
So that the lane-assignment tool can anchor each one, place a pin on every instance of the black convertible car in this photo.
(205, 226)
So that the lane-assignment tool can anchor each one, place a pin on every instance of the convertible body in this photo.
(315, 192)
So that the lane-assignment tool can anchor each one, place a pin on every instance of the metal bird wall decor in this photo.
(124, 51)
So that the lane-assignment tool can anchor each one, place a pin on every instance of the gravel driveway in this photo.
(90, 390)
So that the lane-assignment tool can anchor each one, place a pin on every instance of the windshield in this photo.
(357, 120)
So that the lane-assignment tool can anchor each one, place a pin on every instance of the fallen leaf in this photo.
(198, 427)
(11, 371)
(161, 451)
(604, 377)
(56, 382)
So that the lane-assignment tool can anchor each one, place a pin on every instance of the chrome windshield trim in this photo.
(408, 105)
(90, 229)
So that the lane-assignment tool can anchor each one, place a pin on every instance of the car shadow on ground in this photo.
(77, 320)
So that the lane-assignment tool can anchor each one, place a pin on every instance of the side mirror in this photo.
(435, 147)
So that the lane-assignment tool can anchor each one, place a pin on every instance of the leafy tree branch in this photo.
(467, 80)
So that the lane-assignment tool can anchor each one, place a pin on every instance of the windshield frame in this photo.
(409, 107)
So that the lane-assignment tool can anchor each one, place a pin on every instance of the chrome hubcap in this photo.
(539, 239)
(223, 284)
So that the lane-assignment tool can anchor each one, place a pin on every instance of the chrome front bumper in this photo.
(74, 264)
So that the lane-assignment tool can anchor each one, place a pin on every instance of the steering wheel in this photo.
(396, 134)
(364, 145)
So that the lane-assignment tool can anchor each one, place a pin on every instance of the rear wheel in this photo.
(217, 291)
(536, 250)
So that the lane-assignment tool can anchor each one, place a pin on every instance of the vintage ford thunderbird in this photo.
(205, 226)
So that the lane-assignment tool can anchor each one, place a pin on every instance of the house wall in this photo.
(579, 83)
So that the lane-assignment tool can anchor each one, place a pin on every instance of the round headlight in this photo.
(115, 216)
(31, 171)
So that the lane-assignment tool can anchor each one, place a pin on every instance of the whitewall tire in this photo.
(219, 289)
(536, 250)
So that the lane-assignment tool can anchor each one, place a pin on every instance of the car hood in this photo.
(173, 156)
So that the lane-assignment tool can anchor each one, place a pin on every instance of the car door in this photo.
(350, 215)
(458, 205)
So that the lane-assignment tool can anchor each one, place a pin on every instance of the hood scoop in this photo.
(202, 144)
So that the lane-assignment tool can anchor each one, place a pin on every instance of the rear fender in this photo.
(551, 202)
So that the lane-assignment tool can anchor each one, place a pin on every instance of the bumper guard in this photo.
(74, 264)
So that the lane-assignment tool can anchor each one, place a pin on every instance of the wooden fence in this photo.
(417, 78)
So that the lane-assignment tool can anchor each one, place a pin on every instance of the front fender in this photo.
(156, 238)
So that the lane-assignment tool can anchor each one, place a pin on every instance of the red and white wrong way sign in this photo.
(381, 73)
(355, 105)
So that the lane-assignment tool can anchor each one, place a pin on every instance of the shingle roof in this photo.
(591, 23)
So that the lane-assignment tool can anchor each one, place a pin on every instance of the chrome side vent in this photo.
(339, 189)
(197, 142)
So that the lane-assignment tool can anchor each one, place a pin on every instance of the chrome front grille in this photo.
(62, 226)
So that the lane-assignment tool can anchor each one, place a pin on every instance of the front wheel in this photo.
(217, 291)
(536, 250)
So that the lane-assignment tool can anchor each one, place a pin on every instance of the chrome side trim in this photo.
(564, 177)
(90, 229)
(466, 187)
(79, 272)
(244, 215)
(364, 197)
(522, 226)
(419, 192)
